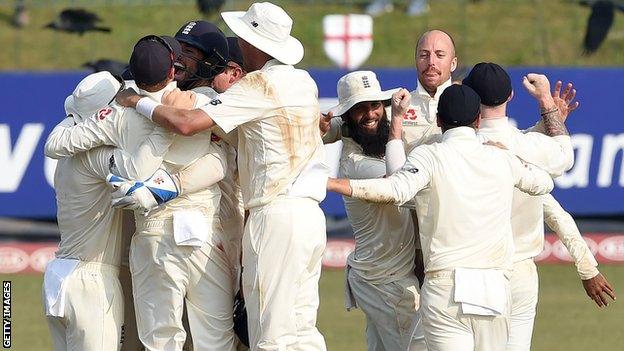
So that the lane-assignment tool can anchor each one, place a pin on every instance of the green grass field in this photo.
(567, 320)
(510, 32)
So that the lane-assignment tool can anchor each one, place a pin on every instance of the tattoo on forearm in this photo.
(552, 122)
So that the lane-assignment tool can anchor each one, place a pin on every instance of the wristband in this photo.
(146, 107)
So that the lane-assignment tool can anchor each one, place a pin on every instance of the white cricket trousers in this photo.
(524, 290)
(165, 275)
(448, 329)
(283, 246)
(94, 311)
(392, 315)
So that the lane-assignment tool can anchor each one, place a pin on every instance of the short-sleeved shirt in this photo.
(276, 112)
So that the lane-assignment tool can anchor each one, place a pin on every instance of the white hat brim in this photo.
(343, 107)
(289, 52)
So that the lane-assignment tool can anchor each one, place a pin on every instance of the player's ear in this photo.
(454, 64)
(171, 73)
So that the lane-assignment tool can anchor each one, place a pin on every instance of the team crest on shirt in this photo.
(215, 102)
(409, 117)
(103, 113)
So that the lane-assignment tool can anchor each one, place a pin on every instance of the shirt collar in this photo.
(459, 133)
(157, 95)
(270, 63)
(494, 123)
(420, 90)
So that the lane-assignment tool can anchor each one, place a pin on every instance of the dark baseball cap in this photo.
(234, 50)
(152, 58)
(491, 82)
(458, 106)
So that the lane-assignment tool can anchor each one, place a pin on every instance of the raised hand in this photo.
(565, 101)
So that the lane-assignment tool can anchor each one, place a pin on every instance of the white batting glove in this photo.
(143, 196)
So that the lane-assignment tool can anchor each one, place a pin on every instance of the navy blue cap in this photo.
(151, 60)
(491, 82)
(234, 50)
(459, 106)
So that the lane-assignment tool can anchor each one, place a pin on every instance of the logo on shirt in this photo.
(412, 170)
(103, 113)
(159, 180)
(215, 102)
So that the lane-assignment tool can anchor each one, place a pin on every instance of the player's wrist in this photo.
(146, 106)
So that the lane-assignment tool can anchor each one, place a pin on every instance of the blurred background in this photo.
(49, 45)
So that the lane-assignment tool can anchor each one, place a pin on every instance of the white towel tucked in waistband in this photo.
(481, 291)
(312, 181)
(54, 285)
(190, 228)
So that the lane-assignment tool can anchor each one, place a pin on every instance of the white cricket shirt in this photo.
(420, 121)
(552, 154)
(90, 229)
(384, 233)
(470, 195)
(131, 132)
(276, 112)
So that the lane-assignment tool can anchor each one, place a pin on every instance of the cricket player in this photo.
(553, 154)
(280, 163)
(380, 276)
(81, 291)
(435, 60)
(466, 235)
(201, 40)
(175, 254)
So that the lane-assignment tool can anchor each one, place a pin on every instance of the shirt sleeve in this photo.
(403, 185)
(553, 154)
(529, 178)
(205, 171)
(97, 130)
(100, 160)
(145, 159)
(395, 156)
(564, 226)
(247, 100)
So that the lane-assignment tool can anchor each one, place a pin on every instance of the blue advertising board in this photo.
(33, 104)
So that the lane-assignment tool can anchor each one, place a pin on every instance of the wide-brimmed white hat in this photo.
(357, 87)
(92, 93)
(267, 27)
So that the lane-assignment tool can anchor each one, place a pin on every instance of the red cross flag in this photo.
(348, 39)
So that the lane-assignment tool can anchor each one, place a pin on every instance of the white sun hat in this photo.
(94, 92)
(357, 87)
(267, 27)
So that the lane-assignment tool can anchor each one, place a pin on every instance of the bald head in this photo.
(435, 59)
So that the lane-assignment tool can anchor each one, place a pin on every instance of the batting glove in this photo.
(143, 196)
